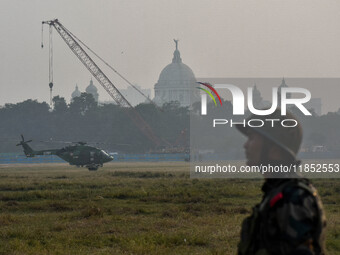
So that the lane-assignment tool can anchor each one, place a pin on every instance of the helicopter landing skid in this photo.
(93, 167)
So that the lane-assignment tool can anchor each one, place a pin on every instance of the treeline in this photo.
(110, 127)
(107, 126)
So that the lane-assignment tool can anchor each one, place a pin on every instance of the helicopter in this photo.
(79, 154)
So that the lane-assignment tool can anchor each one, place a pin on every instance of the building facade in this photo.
(133, 96)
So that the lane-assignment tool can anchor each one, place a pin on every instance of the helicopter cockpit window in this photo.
(105, 153)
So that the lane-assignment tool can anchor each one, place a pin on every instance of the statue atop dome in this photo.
(176, 41)
(177, 54)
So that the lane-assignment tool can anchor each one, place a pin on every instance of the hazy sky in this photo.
(248, 38)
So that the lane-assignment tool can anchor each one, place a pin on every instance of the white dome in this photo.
(91, 88)
(76, 92)
(176, 74)
(176, 82)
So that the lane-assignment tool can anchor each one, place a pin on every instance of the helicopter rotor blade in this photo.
(54, 141)
(80, 143)
(122, 144)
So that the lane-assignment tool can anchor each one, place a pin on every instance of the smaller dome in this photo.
(91, 88)
(256, 92)
(76, 92)
(283, 84)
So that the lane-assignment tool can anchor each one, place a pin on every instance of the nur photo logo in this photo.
(281, 98)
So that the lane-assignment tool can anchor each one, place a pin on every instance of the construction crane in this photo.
(103, 80)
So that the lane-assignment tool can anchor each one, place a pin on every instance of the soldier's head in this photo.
(272, 142)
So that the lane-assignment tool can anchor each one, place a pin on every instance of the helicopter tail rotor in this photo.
(22, 142)
(27, 149)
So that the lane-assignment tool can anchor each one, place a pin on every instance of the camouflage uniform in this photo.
(289, 220)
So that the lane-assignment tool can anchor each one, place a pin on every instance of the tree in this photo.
(29, 117)
(60, 105)
(83, 104)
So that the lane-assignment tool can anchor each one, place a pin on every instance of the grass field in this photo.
(131, 208)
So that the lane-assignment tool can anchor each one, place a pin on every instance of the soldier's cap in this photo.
(287, 138)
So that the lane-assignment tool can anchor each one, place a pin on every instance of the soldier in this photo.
(289, 220)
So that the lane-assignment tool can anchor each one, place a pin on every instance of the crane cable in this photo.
(51, 64)
(113, 69)
(50, 56)
(42, 35)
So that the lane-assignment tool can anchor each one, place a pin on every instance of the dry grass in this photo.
(131, 208)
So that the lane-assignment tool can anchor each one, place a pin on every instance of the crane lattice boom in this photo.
(103, 80)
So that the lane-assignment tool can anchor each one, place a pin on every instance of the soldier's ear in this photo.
(277, 153)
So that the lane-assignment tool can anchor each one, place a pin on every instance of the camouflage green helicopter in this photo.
(79, 154)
